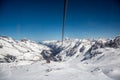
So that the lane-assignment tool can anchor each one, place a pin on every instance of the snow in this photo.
(82, 59)
(22, 50)
(52, 71)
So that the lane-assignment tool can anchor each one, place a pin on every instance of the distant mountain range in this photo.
(72, 49)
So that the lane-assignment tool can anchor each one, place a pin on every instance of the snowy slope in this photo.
(52, 71)
(24, 50)
(81, 59)
(100, 55)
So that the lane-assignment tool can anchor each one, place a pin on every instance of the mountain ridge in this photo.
(77, 59)
(55, 50)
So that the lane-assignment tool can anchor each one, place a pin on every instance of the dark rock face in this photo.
(113, 43)
(82, 49)
(1, 46)
(55, 49)
(24, 40)
(46, 55)
(110, 43)
(4, 36)
(91, 51)
(98, 45)
(117, 42)
(9, 58)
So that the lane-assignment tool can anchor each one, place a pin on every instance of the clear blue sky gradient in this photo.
(42, 19)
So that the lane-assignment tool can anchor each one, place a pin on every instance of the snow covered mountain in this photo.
(84, 49)
(78, 59)
(101, 55)
(24, 50)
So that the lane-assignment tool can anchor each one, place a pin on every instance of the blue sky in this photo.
(42, 19)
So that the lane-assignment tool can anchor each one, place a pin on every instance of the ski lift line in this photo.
(64, 18)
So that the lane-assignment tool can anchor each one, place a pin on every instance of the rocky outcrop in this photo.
(115, 43)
